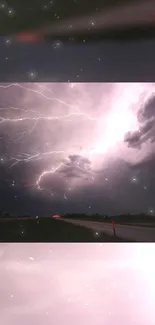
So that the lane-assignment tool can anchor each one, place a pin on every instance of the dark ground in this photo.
(48, 230)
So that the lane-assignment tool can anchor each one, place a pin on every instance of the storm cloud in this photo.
(76, 143)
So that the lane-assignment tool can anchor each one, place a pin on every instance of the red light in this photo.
(113, 224)
(27, 37)
(56, 216)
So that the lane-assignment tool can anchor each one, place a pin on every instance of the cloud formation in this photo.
(146, 132)
(65, 141)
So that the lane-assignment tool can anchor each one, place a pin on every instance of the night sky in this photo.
(94, 61)
(67, 143)
(69, 60)
(77, 147)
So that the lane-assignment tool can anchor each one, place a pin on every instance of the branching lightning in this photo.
(110, 127)
(47, 172)
(27, 157)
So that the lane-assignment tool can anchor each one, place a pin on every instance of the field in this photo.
(48, 230)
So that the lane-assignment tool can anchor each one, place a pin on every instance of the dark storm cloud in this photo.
(80, 159)
(65, 149)
(148, 110)
(133, 139)
(77, 166)
(146, 132)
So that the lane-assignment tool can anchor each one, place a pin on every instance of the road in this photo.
(136, 233)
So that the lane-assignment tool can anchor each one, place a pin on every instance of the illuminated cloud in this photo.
(146, 132)
(64, 139)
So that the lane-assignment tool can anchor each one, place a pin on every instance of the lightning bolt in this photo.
(2, 120)
(47, 172)
(34, 117)
(108, 134)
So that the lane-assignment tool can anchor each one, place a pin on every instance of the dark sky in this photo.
(67, 146)
(57, 61)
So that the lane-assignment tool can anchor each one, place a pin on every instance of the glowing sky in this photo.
(77, 283)
(83, 142)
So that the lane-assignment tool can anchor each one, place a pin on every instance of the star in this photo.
(134, 180)
(11, 12)
(32, 75)
(8, 41)
(2, 5)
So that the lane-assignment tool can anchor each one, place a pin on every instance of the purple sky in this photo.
(78, 142)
